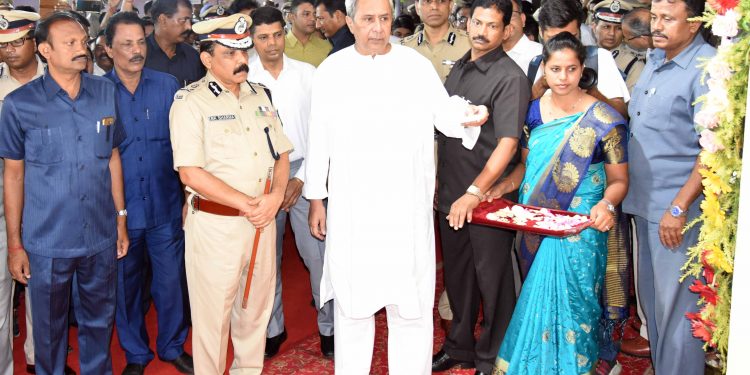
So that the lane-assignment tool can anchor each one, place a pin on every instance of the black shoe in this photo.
(134, 369)
(326, 346)
(273, 344)
(30, 369)
(442, 362)
(183, 363)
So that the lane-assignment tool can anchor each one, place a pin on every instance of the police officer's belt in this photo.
(200, 204)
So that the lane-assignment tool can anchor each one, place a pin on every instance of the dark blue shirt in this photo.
(152, 188)
(185, 65)
(341, 39)
(66, 145)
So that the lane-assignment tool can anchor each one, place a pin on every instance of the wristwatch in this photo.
(122, 213)
(475, 191)
(676, 211)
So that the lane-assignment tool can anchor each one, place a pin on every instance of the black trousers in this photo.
(478, 269)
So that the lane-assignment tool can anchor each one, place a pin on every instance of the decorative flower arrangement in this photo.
(720, 122)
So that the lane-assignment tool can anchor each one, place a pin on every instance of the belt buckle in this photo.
(194, 203)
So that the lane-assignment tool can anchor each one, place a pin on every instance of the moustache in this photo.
(186, 33)
(136, 58)
(80, 57)
(655, 34)
(242, 68)
(480, 39)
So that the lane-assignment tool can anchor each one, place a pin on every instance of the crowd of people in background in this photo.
(156, 156)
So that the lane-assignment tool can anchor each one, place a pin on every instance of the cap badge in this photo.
(220, 11)
(615, 6)
(3, 23)
(241, 26)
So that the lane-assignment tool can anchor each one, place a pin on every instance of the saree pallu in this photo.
(556, 321)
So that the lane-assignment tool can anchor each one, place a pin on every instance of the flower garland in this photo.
(721, 124)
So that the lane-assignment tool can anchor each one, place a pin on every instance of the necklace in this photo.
(565, 111)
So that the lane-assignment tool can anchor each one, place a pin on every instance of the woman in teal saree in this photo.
(575, 160)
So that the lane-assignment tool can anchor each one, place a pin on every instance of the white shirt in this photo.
(99, 71)
(610, 82)
(587, 36)
(290, 93)
(524, 51)
(371, 152)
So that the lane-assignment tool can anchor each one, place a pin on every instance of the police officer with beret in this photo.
(226, 137)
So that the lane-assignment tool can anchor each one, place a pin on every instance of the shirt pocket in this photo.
(225, 141)
(159, 128)
(103, 143)
(44, 146)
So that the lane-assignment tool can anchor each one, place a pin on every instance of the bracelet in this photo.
(607, 202)
(474, 195)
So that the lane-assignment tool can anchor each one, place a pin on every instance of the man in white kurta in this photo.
(373, 158)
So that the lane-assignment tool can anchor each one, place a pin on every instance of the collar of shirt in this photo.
(5, 71)
(485, 62)
(658, 56)
(155, 48)
(422, 38)
(342, 35)
(524, 44)
(245, 88)
(112, 75)
(52, 88)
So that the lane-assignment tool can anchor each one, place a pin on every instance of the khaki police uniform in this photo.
(14, 24)
(630, 62)
(227, 137)
(443, 54)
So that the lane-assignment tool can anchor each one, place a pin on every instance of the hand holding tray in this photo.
(502, 213)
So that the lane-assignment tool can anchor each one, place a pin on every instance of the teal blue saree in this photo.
(556, 320)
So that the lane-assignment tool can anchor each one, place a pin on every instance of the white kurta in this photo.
(372, 123)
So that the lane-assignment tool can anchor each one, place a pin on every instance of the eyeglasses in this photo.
(16, 43)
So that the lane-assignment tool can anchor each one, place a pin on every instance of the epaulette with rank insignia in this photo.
(409, 39)
(261, 86)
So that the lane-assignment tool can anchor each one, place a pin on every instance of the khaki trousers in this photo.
(217, 256)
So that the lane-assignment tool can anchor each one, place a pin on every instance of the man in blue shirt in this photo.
(167, 50)
(665, 184)
(63, 182)
(153, 199)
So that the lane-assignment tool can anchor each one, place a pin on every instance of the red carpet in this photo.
(300, 354)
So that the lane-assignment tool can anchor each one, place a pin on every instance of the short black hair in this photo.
(561, 41)
(297, 3)
(168, 8)
(331, 6)
(694, 7)
(531, 27)
(26, 8)
(41, 34)
(266, 16)
(559, 13)
(404, 21)
(503, 6)
(147, 21)
(121, 18)
(635, 23)
(240, 5)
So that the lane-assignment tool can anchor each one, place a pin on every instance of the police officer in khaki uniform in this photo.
(226, 135)
(21, 65)
(438, 41)
(630, 56)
